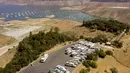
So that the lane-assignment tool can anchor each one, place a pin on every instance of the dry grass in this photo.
(78, 68)
(5, 40)
(123, 55)
(107, 63)
(74, 27)
(64, 25)
(7, 57)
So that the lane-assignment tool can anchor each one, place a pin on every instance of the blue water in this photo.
(16, 12)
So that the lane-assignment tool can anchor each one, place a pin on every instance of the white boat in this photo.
(50, 16)
(15, 13)
(11, 13)
(29, 13)
(32, 13)
(22, 14)
(7, 16)
(15, 16)
(19, 14)
(11, 16)
(2, 13)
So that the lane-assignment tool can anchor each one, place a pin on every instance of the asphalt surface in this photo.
(55, 58)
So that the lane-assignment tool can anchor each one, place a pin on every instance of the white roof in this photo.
(61, 67)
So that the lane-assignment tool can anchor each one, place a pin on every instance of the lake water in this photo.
(16, 12)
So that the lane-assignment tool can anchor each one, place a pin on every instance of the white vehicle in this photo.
(77, 60)
(58, 71)
(74, 53)
(67, 71)
(70, 64)
(44, 58)
(62, 69)
(68, 51)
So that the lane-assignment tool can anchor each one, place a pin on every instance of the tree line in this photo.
(30, 48)
(112, 26)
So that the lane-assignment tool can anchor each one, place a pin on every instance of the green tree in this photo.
(92, 57)
(93, 64)
(30, 48)
(81, 37)
(101, 53)
(83, 71)
(110, 25)
(1, 70)
(56, 29)
(90, 63)
(117, 44)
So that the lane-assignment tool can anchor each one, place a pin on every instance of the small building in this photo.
(108, 43)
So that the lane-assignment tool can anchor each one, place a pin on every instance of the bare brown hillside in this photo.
(119, 11)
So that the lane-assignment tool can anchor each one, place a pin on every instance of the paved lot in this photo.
(55, 58)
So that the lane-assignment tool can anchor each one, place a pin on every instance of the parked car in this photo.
(61, 69)
(77, 60)
(73, 53)
(68, 51)
(70, 64)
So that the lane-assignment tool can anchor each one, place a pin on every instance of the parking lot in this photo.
(55, 58)
(69, 57)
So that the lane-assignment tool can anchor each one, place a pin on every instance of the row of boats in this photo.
(19, 14)
(61, 14)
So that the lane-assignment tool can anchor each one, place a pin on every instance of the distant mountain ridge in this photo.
(110, 0)
(55, 2)
(44, 2)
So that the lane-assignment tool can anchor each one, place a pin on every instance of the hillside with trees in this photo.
(112, 26)
(31, 47)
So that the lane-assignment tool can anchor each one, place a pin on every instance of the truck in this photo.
(44, 58)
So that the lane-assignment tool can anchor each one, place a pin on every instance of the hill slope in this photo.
(118, 11)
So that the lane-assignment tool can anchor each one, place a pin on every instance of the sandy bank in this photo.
(16, 33)
(118, 7)
(5, 48)
(73, 8)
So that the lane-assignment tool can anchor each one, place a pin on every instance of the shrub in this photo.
(83, 71)
(109, 52)
(101, 53)
(92, 57)
(93, 64)
(81, 37)
(1, 70)
(99, 38)
(117, 44)
(88, 69)
(86, 63)
(90, 63)
(114, 70)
